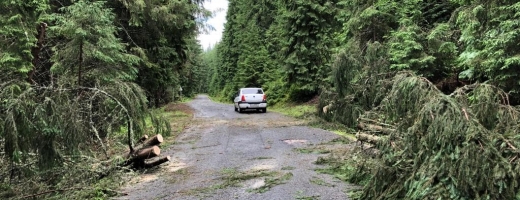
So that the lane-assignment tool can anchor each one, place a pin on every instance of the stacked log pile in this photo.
(145, 153)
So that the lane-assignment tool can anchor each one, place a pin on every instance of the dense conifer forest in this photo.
(79, 80)
(431, 86)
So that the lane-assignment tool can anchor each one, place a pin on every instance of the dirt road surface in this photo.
(230, 155)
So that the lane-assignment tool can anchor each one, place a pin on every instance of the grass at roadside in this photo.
(307, 111)
(347, 164)
(178, 115)
(234, 178)
(299, 111)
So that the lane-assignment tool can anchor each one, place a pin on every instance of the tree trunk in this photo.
(146, 153)
(372, 139)
(375, 128)
(80, 63)
(375, 122)
(42, 29)
(155, 140)
(142, 139)
(157, 162)
(142, 154)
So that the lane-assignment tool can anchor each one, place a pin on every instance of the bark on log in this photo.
(372, 139)
(142, 139)
(142, 154)
(146, 153)
(157, 162)
(155, 140)
(375, 122)
(375, 128)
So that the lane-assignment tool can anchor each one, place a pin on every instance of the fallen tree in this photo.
(374, 128)
(156, 162)
(372, 139)
(462, 145)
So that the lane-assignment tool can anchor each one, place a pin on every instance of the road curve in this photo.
(230, 155)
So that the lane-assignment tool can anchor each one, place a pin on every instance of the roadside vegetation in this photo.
(428, 88)
(91, 176)
(234, 178)
(81, 81)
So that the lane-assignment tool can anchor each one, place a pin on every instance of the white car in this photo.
(250, 98)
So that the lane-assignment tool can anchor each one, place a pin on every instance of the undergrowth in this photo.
(463, 145)
(299, 111)
(88, 175)
(234, 178)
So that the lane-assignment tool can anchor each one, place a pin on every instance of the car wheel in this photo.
(239, 110)
(264, 110)
(236, 109)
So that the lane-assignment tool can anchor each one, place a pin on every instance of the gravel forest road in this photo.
(230, 155)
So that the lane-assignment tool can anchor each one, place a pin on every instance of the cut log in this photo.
(146, 153)
(372, 139)
(155, 140)
(142, 154)
(374, 128)
(157, 162)
(142, 139)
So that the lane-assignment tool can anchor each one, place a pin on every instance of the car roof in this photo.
(251, 88)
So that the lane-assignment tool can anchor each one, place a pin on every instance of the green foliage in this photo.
(250, 67)
(368, 22)
(407, 52)
(283, 47)
(68, 74)
(355, 167)
(211, 61)
(163, 34)
(358, 83)
(457, 146)
(17, 19)
(309, 25)
(91, 44)
(488, 32)
(296, 111)
(443, 148)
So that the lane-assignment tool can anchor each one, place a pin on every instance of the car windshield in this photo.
(252, 91)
